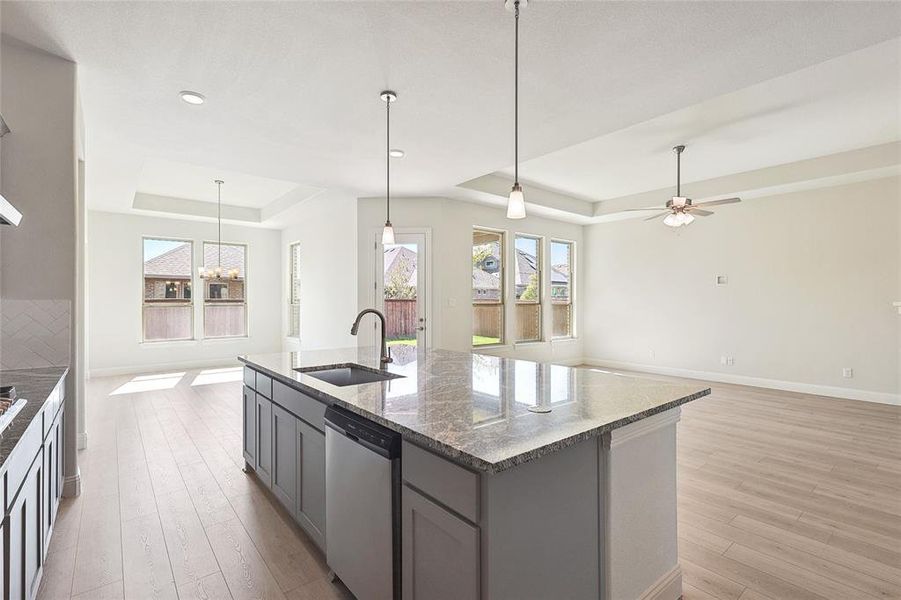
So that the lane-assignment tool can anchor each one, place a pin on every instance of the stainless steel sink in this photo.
(347, 374)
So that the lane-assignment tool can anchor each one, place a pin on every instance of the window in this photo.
(527, 273)
(168, 311)
(562, 271)
(294, 293)
(224, 301)
(487, 287)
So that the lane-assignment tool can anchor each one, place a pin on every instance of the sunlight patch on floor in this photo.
(226, 375)
(149, 383)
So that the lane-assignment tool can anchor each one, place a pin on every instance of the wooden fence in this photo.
(175, 321)
(401, 318)
(165, 321)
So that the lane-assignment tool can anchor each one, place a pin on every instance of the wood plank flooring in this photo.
(781, 496)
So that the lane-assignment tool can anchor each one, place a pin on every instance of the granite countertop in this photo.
(474, 408)
(35, 386)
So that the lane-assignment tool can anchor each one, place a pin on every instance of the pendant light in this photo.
(216, 273)
(388, 232)
(516, 204)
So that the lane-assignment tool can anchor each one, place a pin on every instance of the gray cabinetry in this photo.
(250, 423)
(440, 552)
(284, 457)
(263, 434)
(311, 479)
(52, 488)
(25, 552)
(3, 554)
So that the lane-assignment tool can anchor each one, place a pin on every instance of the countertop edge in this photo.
(463, 458)
(37, 411)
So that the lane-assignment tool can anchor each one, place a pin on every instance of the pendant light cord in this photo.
(219, 219)
(516, 93)
(388, 160)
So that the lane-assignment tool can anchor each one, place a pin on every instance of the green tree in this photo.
(530, 294)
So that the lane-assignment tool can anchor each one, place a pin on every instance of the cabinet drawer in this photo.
(309, 409)
(250, 378)
(264, 385)
(51, 407)
(453, 486)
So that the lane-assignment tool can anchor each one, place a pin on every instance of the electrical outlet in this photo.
(722, 279)
(730, 361)
(651, 353)
(723, 360)
(847, 372)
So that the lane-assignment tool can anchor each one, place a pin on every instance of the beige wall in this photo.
(811, 280)
(115, 286)
(38, 264)
(451, 223)
(327, 232)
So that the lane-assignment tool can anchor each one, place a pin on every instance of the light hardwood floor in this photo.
(781, 495)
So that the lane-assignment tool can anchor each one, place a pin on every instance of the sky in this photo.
(153, 248)
(559, 252)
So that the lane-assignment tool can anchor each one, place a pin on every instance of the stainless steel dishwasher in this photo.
(362, 494)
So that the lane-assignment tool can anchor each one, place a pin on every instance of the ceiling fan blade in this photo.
(699, 212)
(664, 213)
(640, 209)
(718, 202)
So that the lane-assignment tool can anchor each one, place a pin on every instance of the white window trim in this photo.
(505, 303)
(573, 291)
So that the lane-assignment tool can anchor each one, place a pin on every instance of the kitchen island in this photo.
(520, 479)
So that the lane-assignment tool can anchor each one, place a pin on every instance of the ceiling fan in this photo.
(680, 210)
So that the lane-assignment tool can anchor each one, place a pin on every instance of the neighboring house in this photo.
(169, 275)
(400, 268)
(486, 279)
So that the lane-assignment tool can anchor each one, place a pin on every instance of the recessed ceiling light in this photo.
(397, 153)
(192, 97)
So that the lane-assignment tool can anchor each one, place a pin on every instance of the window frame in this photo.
(573, 333)
(244, 301)
(166, 301)
(293, 301)
(539, 261)
(502, 295)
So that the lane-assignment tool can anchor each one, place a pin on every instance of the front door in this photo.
(401, 289)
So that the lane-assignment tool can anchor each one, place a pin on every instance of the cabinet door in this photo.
(4, 563)
(284, 457)
(48, 495)
(264, 440)
(25, 535)
(311, 475)
(250, 440)
(440, 552)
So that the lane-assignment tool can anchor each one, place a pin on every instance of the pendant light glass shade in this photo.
(516, 203)
(388, 234)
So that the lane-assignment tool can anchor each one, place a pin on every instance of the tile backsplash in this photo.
(34, 333)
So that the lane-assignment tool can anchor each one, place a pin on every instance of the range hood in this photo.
(8, 213)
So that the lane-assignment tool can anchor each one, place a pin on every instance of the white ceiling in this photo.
(292, 88)
(849, 102)
(196, 182)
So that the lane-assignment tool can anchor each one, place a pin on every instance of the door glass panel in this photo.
(400, 285)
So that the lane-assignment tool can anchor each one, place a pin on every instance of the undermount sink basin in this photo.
(347, 374)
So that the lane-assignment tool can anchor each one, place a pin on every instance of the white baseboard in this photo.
(776, 384)
(668, 587)
(72, 485)
(162, 367)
